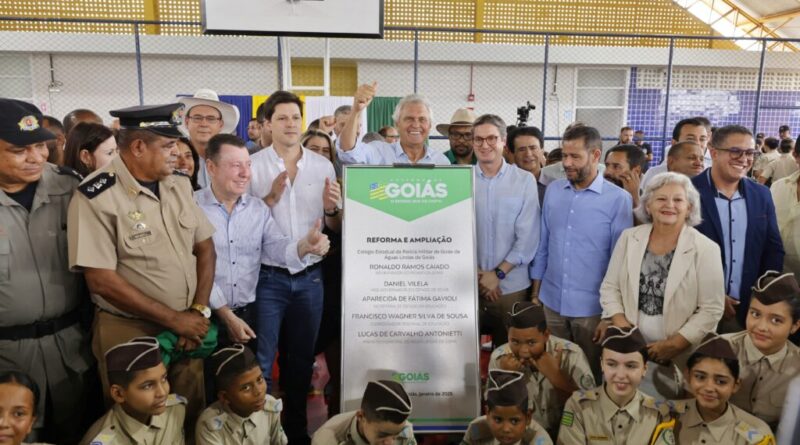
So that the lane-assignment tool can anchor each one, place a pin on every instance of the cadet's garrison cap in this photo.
(164, 120)
(234, 359)
(506, 388)
(624, 340)
(387, 395)
(715, 346)
(524, 315)
(135, 355)
(774, 286)
(21, 123)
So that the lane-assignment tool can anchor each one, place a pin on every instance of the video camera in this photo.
(523, 114)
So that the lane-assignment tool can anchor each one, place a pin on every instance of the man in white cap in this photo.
(206, 116)
(459, 133)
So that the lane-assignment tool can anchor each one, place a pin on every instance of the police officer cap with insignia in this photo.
(163, 120)
(20, 123)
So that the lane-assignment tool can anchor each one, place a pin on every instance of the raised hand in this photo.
(278, 187)
(331, 195)
(363, 96)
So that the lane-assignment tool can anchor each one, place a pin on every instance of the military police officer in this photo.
(39, 300)
(146, 247)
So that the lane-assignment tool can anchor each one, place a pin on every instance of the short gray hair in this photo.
(693, 218)
(491, 119)
(412, 99)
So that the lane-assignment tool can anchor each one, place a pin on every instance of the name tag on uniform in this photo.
(140, 235)
(596, 437)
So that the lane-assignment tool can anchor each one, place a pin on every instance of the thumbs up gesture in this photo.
(364, 95)
(315, 242)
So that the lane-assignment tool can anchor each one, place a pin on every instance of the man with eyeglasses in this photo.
(412, 118)
(507, 226)
(459, 133)
(206, 116)
(739, 215)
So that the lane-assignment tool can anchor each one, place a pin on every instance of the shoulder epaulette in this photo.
(98, 184)
(180, 173)
(104, 438)
(68, 171)
(677, 406)
(590, 394)
(751, 434)
(273, 405)
(565, 345)
(174, 399)
(215, 423)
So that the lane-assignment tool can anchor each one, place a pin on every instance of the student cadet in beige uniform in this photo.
(768, 360)
(616, 412)
(554, 368)
(244, 413)
(145, 247)
(709, 419)
(508, 419)
(144, 411)
(382, 419)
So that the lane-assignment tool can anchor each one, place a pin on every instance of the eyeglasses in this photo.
(462, 136)
(478, 141)
(197, 119)
(737, 153)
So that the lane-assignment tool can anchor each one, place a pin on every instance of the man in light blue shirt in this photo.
(582, 218)
(507, 211)
(412, 118)
(246, 235)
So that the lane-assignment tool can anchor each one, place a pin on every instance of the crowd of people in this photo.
(154, 275)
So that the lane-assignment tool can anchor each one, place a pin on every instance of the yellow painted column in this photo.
(480, 11)
(151, 14)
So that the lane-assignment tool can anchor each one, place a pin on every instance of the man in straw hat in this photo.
(459, 133)
(205, 117)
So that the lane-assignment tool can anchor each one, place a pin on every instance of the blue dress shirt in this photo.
(242, 239)
(383, 153)
(579, 231)
(507, 223)
(733, 219)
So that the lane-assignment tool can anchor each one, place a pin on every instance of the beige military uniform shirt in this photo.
(342, 429)
(219, 426)
(591, 417)
(543, 397)
(765, 378)
(36, 285)
(116, 223)
(478, 433)
(118, 428)
(735, 427)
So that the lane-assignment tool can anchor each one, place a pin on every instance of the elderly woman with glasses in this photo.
(666, 278)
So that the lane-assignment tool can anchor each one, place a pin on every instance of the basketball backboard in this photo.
(313, 18)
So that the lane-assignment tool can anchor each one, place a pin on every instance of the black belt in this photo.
(286, 272)
(41, 328)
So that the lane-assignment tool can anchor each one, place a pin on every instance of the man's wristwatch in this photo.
(204, 310)
(332, 213)
(499, 272)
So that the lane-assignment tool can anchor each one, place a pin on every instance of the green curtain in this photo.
(379, 112)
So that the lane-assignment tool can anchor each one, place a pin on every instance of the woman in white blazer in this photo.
(666, 278)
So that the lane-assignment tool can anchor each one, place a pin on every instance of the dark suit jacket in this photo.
(763, 248)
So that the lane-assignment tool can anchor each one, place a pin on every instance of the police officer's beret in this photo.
(524, 315)
(773, 287)
(232, 360)
(21, 123)
(388, 395)
(506, 388)
(716, 347)
(623, 340)
(135, 355)
(164, 120)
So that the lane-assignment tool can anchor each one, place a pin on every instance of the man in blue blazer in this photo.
(739, 215)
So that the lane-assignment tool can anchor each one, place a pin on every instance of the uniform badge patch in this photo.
(587, 381)
(568, 418)
(28, 123)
